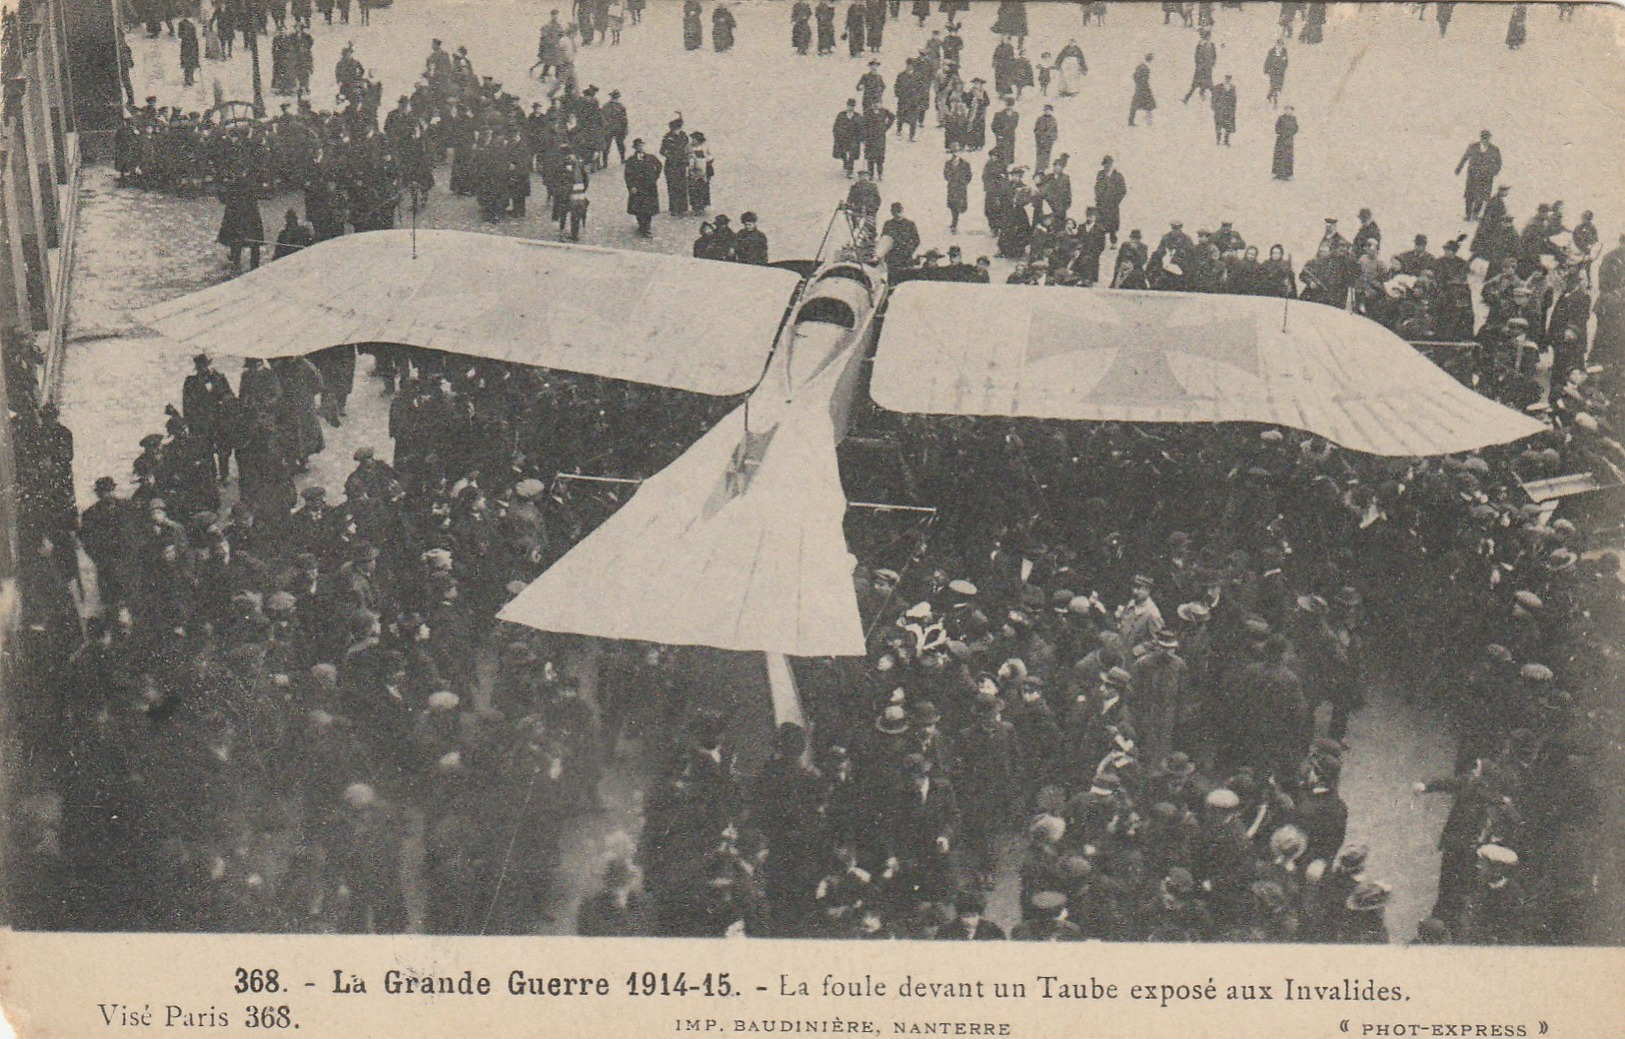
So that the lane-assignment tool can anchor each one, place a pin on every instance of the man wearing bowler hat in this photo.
(207, 404)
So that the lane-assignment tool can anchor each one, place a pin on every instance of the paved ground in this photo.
(1378, 131)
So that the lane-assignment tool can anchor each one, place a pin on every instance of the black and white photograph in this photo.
(770, 469)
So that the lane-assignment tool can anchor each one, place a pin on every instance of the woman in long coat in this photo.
(693, 31)
(722, 27)
(857, 27)
(801, 26)
(189, 49)
(957, 173)
(1518, 26)
(700, 171)
(1004, 60)
(825, 17)
(956, 121)
(976, 97)
(1012, 19)
(1275, 64)
(1144, 100)
(1286, 128)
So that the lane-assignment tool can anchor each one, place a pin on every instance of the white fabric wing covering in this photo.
(1110, 355)
(702, 557)
(665, 320)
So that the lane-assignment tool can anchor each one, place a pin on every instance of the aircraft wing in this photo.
(709, 554)
(1111, 355)
(644, 317)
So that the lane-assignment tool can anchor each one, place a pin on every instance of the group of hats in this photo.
(896, 718)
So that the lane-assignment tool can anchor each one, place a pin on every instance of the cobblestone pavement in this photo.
(1367, 139)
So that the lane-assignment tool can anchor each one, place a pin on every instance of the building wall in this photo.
(90, 35)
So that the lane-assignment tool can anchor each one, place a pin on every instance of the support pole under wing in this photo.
(781, 683)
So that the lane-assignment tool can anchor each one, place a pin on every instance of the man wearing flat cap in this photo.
(1096, 718)
(1140, 620)
(370, 478)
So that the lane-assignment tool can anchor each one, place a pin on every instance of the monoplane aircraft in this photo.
(739, 544)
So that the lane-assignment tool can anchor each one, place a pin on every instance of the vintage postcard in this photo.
(736, 517)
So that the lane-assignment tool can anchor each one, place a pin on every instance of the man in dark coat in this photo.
(848, 136)
(209, 406)
(784, 806)
(241, 225)
(1091, 247)
(905, 239)
(924, 828)
(1272, 725)
(863, 200)
(615, 127)
(1482, 161)
(750, 244)
(1046, 131)
(872, 87)
(103, 534)
(877, 122)
(985, 763)
(1056, 191)
(1320, 811)
(1143, 100)
(1275, 65)
(1566, 329)
(1110, 189)
(801, 26)
(1207, 58)
(642, 173)
(957, 173)
(294, 236)
(1224, 111)
(1417, 259)
(1005, 122)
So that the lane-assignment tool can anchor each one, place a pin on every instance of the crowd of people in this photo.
(1106, 652)
(301, 671)
(358, 166)
(1059, 657)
